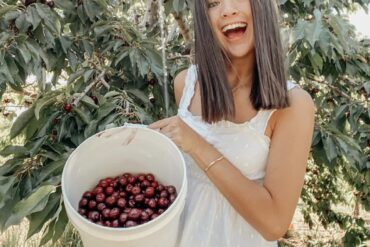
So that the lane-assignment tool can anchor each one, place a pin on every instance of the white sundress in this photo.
(208, 219)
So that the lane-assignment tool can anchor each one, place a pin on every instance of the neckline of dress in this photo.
(221, 122)
(224, 122)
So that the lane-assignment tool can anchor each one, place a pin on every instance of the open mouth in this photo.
(235, 31)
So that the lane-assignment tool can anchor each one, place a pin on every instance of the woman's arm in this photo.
(268, 208)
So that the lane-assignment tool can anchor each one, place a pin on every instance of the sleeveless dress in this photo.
(208, 219)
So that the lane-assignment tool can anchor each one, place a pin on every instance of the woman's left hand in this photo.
(179, 132)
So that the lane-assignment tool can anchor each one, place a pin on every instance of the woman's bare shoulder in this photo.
(179, 84)
(301, 104)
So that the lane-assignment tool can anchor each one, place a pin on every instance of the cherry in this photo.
(105, 213)
(171, 189)
(141, 177)
(130, 223)
(154, 184)
(82, 211)
(67, 107)
(98, 190)
(144, 215)
(114, 213)
(154, 216)
(123, 181)
(110, 201)
(83, 202)
(131, 179)
(149, 211)
(149, 192)
(121, 202)
(100, 197)
(160, 187)
(87, 195)
(93, 215)
(163, 202)
(134, 214)
(101, 206)
(131, 203)
(109, 190)
(150, 177)
(92, 204)
(152, 203)
(164, 194)
(115, 223)
(103, 183)
(129, 188)
(139, 198)
(95, 99)
(172, 198)
(123, 218)
(50, 4)
(136, 190)
(145, 184)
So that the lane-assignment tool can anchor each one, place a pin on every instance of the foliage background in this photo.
(108, 53)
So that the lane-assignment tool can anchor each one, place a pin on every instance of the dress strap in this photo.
(188, 90)
(265, 115)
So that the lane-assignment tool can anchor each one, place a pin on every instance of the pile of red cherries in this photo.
(127, 200)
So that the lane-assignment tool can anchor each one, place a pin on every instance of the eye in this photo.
(213, 4)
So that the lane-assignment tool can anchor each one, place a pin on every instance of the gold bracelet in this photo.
(213, 162)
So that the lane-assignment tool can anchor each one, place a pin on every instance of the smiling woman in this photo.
(234, 123)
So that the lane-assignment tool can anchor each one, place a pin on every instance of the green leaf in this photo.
(83, 116)
(91, 8)
(66, 43)
(89, 102)
(329, 147)
(24, 52)
(87, 74)
(35, 146)
(37, 220)
(60, 225)
(63, 131)
(49, 169)
(50, 19)
(65, 5)
(21, 23)
(33, 203)
(5, 184)
(91, 129)
(104, 110)
(48, 233)
(313, 30)
(8, 150)
(21, 122)
(121, 56)
(6, 9)
(73, 60)
(88, 47)
(139, 94)
(36, 50)
(112, 94)
(33, 17)
(179, 5)
(41, 103)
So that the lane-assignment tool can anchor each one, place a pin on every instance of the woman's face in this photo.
(232, 23)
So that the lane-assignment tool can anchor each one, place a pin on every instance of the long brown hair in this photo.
(269, 89)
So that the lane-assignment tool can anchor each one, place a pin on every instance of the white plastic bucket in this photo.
(135, 149)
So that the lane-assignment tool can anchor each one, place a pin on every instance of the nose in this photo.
(229, 9)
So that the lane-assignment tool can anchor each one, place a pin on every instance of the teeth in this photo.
(233, 26)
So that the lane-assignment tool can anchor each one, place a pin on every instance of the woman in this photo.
(246, 132)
